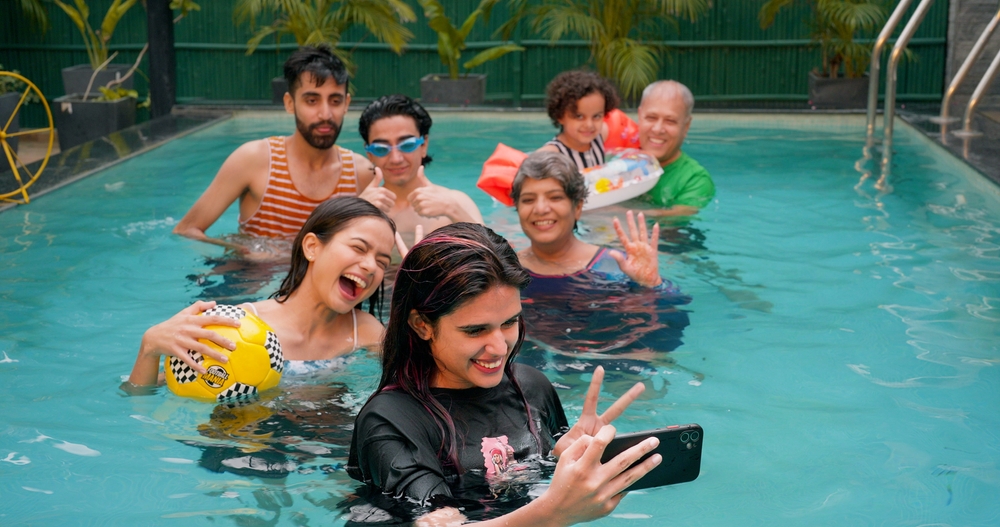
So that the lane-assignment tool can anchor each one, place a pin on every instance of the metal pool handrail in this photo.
(977, 50)
(876, 64)
(889, 112)
(976, 95)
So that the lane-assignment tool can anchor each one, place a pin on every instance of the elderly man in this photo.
(396, 130)
(664, 120)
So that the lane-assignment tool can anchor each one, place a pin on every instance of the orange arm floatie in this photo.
(498, 174)
(622, 131)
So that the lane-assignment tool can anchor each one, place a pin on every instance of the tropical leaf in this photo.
(770, 10)
(557, 21)
(451, 40)
(483, 10)
(115, 13)
(185, 7)
(518, 11)
(835, 25)
(319, 21)
(36, 13)
(258, 37)
(686, 9)
(73, 15)
(855, 15)
(631, 63)
(491, 54)
(83, 8)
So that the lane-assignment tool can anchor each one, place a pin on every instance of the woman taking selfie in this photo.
(453, 415)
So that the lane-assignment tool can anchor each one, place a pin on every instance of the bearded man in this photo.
(280, 180)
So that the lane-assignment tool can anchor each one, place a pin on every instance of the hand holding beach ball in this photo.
(254, 366)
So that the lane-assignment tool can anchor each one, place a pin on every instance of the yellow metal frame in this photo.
(9, 152)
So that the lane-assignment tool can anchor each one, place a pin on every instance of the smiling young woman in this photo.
(338, 261)
(453, 416)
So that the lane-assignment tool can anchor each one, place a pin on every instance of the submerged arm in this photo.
(230, 184)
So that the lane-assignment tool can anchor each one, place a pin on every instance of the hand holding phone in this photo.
(680, 446)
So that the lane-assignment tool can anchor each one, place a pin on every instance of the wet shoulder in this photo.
(532, 380)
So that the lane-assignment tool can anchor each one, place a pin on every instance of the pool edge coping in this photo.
(219, 117)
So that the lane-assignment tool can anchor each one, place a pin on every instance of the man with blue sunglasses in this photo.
(395, 129)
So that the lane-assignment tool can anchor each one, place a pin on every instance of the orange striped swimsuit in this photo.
(283, 210)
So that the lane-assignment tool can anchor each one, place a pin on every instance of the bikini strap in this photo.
(252, 308)
(354, 315)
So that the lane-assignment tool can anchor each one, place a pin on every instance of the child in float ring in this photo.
(451, 407)
(338, 260)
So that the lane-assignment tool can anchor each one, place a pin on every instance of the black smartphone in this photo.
(680, 446)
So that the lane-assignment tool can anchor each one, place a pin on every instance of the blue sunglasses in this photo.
(405, 146)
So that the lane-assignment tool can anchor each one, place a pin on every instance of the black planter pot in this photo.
(464, 91)
(839, 93)
(8, 102)
(278, 88)
(78, 121)
(76, 78)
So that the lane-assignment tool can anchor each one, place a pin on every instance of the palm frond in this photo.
(633, 64)
(380, 19)
(324, 21)
(557, 21)
(258, 37)
(770, 10)
(36, 13)
(687, 9)
(856, 15)
(518, 11)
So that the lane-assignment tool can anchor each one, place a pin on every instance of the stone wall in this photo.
(967, 20)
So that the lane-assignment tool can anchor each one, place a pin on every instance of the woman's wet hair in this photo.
(391, 106)
(320, 61)
(326, 220)
(543, 164)
(449, 268)
(563, 92)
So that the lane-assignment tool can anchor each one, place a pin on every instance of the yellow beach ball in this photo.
(254, 366)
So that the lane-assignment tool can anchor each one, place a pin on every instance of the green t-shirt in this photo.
(684, 182)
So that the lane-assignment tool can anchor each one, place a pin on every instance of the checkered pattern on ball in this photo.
(182, 372)
(238, 391)
(274, 353)
(235, 312)
(254, 366)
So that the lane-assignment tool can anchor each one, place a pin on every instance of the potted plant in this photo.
(621, 33)
(470, 88)
(313, 22)
(841, 80)
(11, 90)
(76, 78)
(81, 117)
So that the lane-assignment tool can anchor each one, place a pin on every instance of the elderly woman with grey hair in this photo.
(586, 301)
(548, 194)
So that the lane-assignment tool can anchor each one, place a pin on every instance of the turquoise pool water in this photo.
(843, 352)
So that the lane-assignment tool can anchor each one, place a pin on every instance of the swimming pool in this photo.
(842, 353)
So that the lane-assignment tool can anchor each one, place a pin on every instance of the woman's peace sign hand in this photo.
(589, 422)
